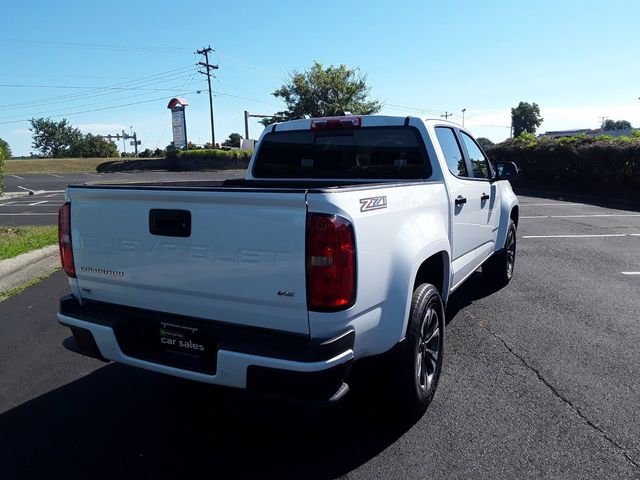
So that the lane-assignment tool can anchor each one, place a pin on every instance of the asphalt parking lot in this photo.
(541, 380)
(41, 207)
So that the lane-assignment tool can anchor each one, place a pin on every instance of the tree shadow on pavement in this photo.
(121, 422)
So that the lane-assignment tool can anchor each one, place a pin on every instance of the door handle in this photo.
(460, 200)
(485, 197)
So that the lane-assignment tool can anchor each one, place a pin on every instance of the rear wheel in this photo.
(499, 268)
(422, 355)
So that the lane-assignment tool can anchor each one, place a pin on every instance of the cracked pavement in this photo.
(541, 380)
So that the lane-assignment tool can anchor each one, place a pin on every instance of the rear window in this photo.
(368, 153)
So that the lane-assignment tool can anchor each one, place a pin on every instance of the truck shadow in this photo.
(120, 422)
(474, 288)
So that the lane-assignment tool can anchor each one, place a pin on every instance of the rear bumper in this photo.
(260, 361)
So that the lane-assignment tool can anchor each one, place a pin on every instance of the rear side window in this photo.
(479, 163)
(452, 152)
(367, 153)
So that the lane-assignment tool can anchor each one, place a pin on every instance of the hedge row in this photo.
(605, 162)
(183, 160)
(208, 159)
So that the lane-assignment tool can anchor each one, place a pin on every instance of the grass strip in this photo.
(17, 240)
(18, 290)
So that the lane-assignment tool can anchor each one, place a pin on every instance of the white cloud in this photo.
(102, 128)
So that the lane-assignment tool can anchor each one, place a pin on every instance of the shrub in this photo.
(609, 163)
(2, 158)
(208, 159)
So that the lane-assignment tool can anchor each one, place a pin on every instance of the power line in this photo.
(91, 93)
(102, 102)
(169, 75)
(95, 46)
(74, 104)
(101, 109)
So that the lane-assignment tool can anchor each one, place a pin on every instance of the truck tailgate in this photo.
(230, 256)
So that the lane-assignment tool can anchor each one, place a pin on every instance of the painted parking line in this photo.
(37, 203)
(630, 273)
(16, 176)
(26, 214)
(584, 216)
(54, 175)
(558, 204)
(585, 236)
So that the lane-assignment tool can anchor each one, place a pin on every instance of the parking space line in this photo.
(630, 273)
(585, 236)
(37, 203)
(584, 216)
(25, 214)
(54, 175)
(16, 176)
(552, 204)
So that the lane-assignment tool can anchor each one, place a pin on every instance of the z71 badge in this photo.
(372, 203)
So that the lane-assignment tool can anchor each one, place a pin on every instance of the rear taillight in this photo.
(331, 257)
(64, 238)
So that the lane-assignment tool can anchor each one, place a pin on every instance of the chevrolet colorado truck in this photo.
(344, 241)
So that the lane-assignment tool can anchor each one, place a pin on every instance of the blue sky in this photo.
(577, 59)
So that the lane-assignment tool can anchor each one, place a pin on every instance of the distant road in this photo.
(41, 208)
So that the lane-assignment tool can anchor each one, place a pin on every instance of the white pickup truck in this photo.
(344, 241)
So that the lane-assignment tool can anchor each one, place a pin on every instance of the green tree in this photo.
(609, 125)
(233, 140)
(321, 92)
(4, 147)
(484, 142)
(92, 146)
(53, 139)
(525, 118)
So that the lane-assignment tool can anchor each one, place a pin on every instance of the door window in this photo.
(452, 152)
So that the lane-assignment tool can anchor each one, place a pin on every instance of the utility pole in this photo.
(208, 67)
(463, 110)
(446, 115)
(125, 136)
(246, 121)
(246, 125)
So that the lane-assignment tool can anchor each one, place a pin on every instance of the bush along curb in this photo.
(184, 160)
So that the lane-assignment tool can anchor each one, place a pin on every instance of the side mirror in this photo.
(507, 171)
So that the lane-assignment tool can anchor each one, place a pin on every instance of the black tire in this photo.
(420, 359)
(498, 270)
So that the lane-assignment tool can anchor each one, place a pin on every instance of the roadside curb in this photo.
(28, 266)
(7, 195)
